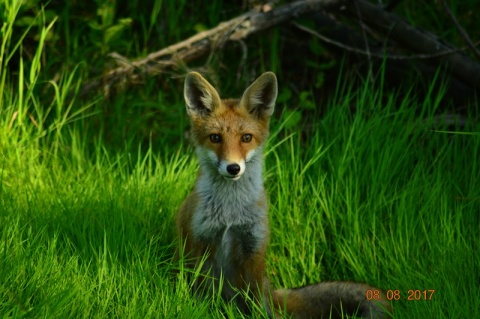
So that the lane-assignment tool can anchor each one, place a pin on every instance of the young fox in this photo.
(223, 223)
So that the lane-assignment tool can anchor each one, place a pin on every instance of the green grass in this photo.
(380, 197)
(377, 196)
(89, 188)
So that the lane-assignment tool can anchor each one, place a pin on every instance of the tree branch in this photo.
(423, 44)
(204, 42)
(416, 40)
(377, 53)
(460, 29)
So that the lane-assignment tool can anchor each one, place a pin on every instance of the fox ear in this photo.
(259, 98)
(200, 96)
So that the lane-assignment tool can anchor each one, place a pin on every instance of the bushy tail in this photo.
(331, 300)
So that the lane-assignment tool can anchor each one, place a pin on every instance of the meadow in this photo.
(387, 194)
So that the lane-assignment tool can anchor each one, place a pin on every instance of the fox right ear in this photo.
(259, 98)
(201, 97)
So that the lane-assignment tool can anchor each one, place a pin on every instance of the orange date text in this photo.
(412, 294)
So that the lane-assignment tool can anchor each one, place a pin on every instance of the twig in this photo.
(460, 29)
(417, 40)
(392, 5)
(243, 60)
(377, 55)
(365, 40)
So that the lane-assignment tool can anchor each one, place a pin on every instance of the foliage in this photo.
(370, 186)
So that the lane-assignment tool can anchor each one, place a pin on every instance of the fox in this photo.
(223, 226)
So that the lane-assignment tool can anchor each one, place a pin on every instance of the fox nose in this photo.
(233, 169)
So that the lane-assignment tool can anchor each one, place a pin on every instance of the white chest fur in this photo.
(228, 212)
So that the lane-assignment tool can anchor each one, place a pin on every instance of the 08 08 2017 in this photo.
(412, 294)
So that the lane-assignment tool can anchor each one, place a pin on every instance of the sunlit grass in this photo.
(384, 194)
(379, 197)
(375, 197)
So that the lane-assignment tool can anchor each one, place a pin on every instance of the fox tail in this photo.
(331, 300)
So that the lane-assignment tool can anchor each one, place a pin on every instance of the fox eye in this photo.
(215, 138)
(246, 138)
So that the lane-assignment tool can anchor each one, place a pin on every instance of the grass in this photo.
(377, 196)
(384, 194)
(380, 197)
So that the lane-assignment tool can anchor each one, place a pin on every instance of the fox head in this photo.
(229, 133)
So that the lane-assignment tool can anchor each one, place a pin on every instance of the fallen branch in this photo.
(204, 42)
(416, 40)
(460, 29)
(377, 53)
(421, 43)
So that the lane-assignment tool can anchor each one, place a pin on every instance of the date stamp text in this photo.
(412, 294)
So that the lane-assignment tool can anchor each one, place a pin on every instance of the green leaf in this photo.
(116, 30)
(316, 47)
(25, 21)
(293, 118)
(320, 79)
(284, 95)
(199, 27)
(306, 100)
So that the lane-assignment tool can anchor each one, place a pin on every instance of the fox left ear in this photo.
(201, 98)
(259, 98)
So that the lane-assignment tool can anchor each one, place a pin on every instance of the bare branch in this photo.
(460, 29)
(204, 42)
(383, 23)
(378, 54)
(417, 40)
